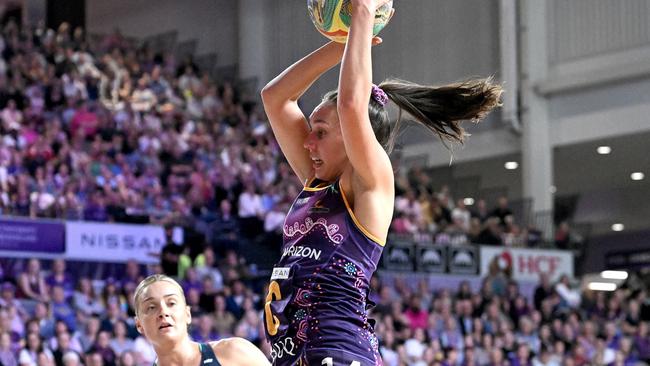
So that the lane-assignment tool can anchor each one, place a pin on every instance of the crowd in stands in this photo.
(115, 132)
(433, 217)
(47, 317)
(497, 325)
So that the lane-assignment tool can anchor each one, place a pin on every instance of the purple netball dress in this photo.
(315, 311)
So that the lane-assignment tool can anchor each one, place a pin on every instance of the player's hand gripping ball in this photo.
(332, 18)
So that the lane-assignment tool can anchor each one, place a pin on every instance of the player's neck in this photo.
(185, 353)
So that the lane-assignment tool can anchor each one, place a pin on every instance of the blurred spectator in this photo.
(144, 352)
(170, 255)
(469, 356)
(85, 121)
(502, 210)
(7, 353)
(119, 342)
(450, 336)
(8, 299)
(61, 309)
(416, 315)
(93, 358)
(464, 313)
(204, 332)
(224, 320)
(570, 297)
(273, 224)
(60, 277)
(491, 234)
(28, 355)
(225, 229)
(31, 284)
(409, 205)
(206, 267)
(72, 340)
(528, 336)
(403, 224)
(127, 358)
(415, 346)
(545, 358)
(207, 294)
(113, 295)
(461, 215)
(12, 322)
(565, 238)
(71, 359)
(63, 348)
(96, 209)
(43, 320)
(532, 236)
(542, 291)
(143, 99)
(11, 116)
(113, 315)
(88, 336)
(132, 275)
(387, 350)
(191, 281)
(440, 211)
(642, 342)
(234, 268)
(604, 355)
(562, 235)
(103, 348)
(235, 299)
(522, 357)
(480, 211)
(250, 211)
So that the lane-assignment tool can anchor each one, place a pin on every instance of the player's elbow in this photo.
(267, 93)
(273, 97)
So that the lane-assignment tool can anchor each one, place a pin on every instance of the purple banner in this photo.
(32, 236)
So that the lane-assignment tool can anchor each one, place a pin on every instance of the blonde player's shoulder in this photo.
(238, 351)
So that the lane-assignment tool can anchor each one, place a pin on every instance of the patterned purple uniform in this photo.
(315, 311)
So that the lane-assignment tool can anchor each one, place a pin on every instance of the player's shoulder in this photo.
(237, 351)
(227, 344)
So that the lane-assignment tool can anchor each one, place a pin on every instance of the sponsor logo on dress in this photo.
(280, 273)
(283, 347)
(318, 208)
(301, 251)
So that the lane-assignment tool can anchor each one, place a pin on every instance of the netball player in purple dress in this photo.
(334, 233)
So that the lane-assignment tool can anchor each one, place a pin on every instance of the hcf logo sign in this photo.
(526, 264)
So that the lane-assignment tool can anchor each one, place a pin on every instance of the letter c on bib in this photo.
(272, 321)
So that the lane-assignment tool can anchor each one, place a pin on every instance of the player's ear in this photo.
(188, 313)
(138, 326)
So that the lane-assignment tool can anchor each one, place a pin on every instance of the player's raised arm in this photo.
(367, 156)
(280, 98)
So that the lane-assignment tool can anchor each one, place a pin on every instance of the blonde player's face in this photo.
(163, 314)
(325, 143)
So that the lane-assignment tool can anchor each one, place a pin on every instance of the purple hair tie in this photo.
(379, 95)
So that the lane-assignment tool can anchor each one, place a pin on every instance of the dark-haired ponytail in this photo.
(441, 109)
